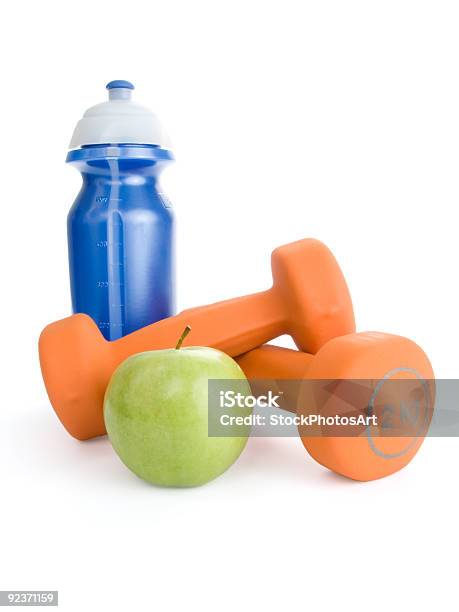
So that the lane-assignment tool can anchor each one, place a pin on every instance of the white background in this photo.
(337, 120)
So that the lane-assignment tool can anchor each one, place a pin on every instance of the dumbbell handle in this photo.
(233, 326)
(269, 364)
(274, 363)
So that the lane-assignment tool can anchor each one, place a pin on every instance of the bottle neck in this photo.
(120, 161)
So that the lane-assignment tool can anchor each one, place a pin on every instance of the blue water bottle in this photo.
(121, 227)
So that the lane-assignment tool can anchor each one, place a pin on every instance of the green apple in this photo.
(156, 414)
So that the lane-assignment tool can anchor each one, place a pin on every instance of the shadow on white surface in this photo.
(43, 448)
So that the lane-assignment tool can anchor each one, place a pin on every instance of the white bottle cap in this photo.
(119, 121)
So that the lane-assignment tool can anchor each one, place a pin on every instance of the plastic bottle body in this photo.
(121, 238)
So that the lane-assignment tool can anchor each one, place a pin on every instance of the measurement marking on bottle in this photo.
(108, 324)
(105, 284)
(106, 199)
(103, 244)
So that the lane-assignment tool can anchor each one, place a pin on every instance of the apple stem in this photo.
(185, 333)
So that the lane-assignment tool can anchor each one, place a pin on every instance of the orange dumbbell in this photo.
(309, 300)
(351, 375)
